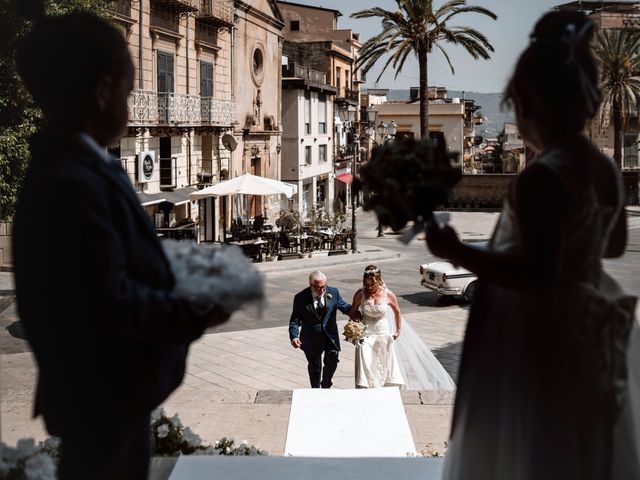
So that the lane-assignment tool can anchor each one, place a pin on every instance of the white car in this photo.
(446, 279)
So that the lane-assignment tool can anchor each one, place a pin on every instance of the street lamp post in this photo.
(348, 117)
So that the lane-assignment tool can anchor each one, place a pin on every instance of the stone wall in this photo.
(6, 258)
(480, 191)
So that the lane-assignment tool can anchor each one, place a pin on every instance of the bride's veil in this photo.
(420, 369)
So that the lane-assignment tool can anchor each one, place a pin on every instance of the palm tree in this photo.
(617, 53)
(416, 28)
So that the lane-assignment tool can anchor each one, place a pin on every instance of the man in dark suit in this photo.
(94, 288)
(314, 310)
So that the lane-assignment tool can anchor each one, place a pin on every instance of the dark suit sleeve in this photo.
(343, 306)
(295, 322)
(132, 309)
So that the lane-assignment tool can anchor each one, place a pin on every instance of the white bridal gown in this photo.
(381, 361)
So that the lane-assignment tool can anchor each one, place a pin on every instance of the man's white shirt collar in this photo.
(93, 145)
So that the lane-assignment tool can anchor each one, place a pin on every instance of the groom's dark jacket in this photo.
(94, 291)
(314, 328)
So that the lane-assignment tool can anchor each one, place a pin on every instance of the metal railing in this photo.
(300, 71)
(123, 7)
(177, 5)
(166, 20)
(350, 95)
(206, 33)
(148, 108)
(216, 111)
(218, 9)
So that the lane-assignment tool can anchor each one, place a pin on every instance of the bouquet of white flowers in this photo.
(214, 276)
(170, 438)
(28, 461)
(407, 180)
(354, 331)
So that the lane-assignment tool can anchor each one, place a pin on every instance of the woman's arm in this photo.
(355, 305)
(617, 241)
(393, 303)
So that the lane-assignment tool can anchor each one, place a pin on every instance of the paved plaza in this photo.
(240, 375)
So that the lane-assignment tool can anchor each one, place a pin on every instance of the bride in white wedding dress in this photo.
(384, 358)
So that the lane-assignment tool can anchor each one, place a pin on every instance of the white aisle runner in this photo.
(348, 423)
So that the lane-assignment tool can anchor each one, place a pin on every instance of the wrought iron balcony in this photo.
(174, 109)
(349, 96)
(216, 12)
(206, 33)
(294, 70)
(122, 7)
(176, 6)
(216, 111)
(164, 19)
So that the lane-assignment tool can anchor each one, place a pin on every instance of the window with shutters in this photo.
(206, 79)
(322, 113)
(307, 112)
(165, 72)
(307, 155)
(322, 153)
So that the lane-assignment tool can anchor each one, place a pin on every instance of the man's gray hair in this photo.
(317, 275)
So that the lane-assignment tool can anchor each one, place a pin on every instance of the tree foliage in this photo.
(416, 27)
(617, 53)
(19, 118)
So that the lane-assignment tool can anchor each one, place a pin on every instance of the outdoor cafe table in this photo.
(251, 248)
(177, 232)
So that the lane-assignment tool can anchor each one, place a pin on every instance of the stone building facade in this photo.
(181, 105)
(313, 40)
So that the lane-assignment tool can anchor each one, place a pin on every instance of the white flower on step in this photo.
(40, 467)
(176, 421)
(157, 414)
(163, 431)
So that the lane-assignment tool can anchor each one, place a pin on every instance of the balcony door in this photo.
(166, 163)
(165, 72)
(165, 84)
(206, 79)
(206, 91)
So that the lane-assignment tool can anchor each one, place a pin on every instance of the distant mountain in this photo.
(496, 117)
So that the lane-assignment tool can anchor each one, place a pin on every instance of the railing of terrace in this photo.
(152, 108)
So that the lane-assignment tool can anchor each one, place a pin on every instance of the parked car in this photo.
(444, 278)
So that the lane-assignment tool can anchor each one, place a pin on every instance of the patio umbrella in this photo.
(246, 184)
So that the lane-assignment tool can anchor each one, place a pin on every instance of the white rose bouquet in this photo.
(214, 276)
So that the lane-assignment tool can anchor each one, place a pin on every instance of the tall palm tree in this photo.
(417, 28)
(617, 53)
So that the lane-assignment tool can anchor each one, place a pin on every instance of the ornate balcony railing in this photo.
(175, 109)
(348, 95)
(206, 33)
(300, 71)
(123, 7)
(216, 111)
(219, 12)
(164, 19)
(176, 6)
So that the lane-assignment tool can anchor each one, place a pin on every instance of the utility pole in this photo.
(354, 163)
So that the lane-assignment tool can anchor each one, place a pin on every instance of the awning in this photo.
(345, 177)
(179, 196)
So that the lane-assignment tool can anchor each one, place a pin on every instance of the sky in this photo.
(509, 35)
